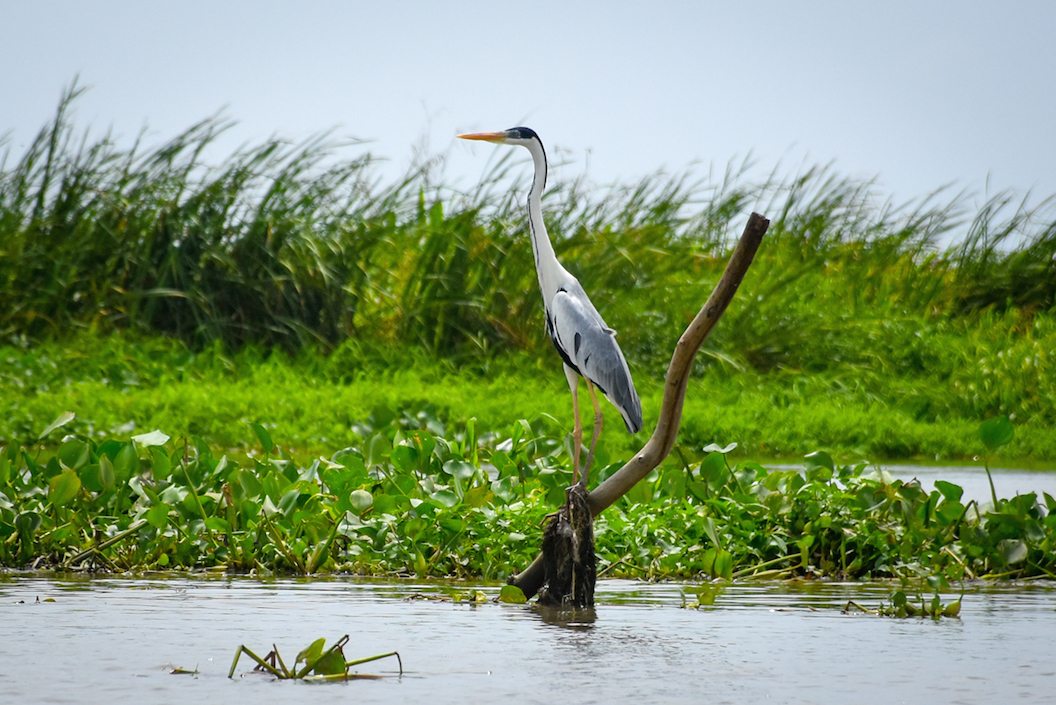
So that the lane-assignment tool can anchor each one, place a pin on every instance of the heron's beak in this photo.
(485, 136)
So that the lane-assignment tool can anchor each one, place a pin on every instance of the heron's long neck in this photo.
(546, 265)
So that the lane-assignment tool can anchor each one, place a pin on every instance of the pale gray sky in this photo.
(917, 94)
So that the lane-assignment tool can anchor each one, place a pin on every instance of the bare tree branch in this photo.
(663, 438)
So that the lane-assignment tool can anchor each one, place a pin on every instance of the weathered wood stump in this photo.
(568, 553)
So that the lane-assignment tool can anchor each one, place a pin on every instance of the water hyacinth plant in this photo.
(409, 502)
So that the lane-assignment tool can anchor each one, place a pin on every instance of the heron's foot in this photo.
(574, 485)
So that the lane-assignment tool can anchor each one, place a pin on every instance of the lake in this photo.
(112, 640)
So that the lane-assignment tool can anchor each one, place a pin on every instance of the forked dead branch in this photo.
(571, 575)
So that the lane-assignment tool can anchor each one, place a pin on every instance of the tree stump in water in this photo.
(568, 553)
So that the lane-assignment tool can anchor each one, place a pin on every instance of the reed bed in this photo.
(300, 246)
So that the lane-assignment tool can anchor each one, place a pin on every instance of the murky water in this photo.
(108, 640)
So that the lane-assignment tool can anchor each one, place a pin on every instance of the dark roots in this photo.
(568, 554)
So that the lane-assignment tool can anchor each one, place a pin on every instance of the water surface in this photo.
(108, 640)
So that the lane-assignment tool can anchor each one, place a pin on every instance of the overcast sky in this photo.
(915, 94)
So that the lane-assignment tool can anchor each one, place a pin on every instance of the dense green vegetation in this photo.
(470, 504)
(128, 385)
(854, 331)
(389, 337)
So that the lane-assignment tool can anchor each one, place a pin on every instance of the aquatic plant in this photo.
(319, 663)
(409, 501)
(295, 245)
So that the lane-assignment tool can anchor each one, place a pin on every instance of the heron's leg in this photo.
(598, 418)
(577, 433)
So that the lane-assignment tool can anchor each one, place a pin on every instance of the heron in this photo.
(587, 346)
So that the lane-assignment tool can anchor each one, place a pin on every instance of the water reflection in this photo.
(569, 617)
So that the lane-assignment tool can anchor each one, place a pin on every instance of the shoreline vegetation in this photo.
(388, 338)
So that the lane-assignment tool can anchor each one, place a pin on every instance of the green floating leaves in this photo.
(63, 488)
(159, 463)
(330, 664)
(73, 453)
(318, 664)
(27, 524)
(407, 501)
(310, 653)
(158, 515)
(511, 594)
(1012, 551)
(904, 606)
(713, 469)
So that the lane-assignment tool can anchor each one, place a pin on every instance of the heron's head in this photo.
(515, 135)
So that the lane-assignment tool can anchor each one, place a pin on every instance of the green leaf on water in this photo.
(63, 488)
(723, 565)
(512, 594)
(709, 529)
(996, 432)
(288, 502)
(698, 489)
(125, 462)
(716, 448)
(330, 665)
(250, 483)
(312, 652)
(27, 523)
(404, 458)
(63, 419)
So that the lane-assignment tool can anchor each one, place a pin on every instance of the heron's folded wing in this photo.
(584, 341)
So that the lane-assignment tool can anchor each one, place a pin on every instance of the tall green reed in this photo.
(301, 244)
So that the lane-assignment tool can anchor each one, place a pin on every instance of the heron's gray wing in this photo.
(588, 345)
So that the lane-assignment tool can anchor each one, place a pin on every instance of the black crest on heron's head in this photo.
(522, 133)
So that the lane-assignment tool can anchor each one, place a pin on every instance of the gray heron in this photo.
(587, 346)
